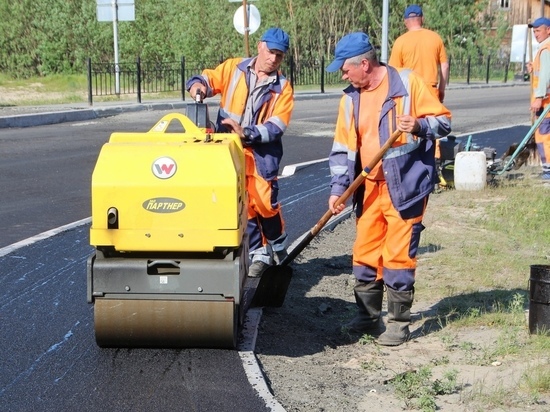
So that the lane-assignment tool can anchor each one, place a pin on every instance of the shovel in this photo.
(274, 282)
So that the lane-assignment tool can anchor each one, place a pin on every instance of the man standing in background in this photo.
(421, 50)
(540, 95)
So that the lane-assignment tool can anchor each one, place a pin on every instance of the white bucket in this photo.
(470, 171)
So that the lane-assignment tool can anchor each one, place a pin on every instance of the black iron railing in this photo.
(105, 79)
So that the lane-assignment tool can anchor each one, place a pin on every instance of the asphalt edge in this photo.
(251, 366)
(41, 236)
(253, 316)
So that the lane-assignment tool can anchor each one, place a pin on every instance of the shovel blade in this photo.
(272, 288)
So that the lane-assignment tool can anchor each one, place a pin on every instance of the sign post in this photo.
(385, 25)
(115, 11)
(115, 37)
(246, 21)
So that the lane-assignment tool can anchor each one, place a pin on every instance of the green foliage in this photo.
(418, 390)
(501, 307)
(41, 37)
(529, 208)
(367, 339)
(537, 379)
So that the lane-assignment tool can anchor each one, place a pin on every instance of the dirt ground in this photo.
(312, 365)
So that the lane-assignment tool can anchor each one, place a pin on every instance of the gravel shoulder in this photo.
(312, 365)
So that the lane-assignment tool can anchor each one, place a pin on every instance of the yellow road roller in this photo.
(169, 231)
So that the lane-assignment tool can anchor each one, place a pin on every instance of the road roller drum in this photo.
(169, 229)
(164, 323)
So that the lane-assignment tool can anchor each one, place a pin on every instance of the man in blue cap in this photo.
(256, 103)
(540, 95)
(390, 205)
(421, 50)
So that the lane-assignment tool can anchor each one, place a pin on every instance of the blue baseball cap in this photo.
(351, 45)
(414, 10)
(541, 21)
(276, 39)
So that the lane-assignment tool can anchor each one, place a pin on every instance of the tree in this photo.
(38, 37)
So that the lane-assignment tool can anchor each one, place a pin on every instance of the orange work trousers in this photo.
(386, 244)
(265, 221)
(542, 139)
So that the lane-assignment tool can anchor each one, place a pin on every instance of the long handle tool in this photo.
(273, 285)
(521, 146)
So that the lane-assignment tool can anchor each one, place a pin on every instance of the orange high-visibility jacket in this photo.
(272, 113)
(409, 165)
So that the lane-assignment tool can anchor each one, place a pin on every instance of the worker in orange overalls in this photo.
(390, 204)
(423, 51)
(256, 103)
(540, 95)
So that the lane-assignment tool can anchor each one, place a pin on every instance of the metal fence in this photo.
(108, 79)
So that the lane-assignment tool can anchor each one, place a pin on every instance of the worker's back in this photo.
(421, 50)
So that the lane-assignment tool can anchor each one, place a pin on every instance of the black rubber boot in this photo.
(369, 303)
(399, 318)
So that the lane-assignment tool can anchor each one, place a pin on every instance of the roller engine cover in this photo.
(168, 223)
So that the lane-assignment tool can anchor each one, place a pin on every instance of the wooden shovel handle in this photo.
(342, 199)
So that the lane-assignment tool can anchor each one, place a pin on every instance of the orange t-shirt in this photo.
(420, 50)
(370, 106)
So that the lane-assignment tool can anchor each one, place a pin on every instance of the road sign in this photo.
(254, 19)
(115, 11)
(519, 50)
(125, 10)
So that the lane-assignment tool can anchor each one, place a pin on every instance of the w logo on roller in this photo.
(164, 167)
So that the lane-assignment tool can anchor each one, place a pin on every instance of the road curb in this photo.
(40, 119)
(109, 110)
(116, 110)
(79, 115)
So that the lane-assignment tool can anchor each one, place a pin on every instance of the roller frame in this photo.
(196, 303)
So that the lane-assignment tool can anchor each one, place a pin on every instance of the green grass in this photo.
(55, 89)
(491, 237)
(62, 89)
(53, 83)
(475, 262)
(418, 390)
(537, 379)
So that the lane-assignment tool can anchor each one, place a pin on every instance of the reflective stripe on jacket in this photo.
(272, 115)
(409, 165)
